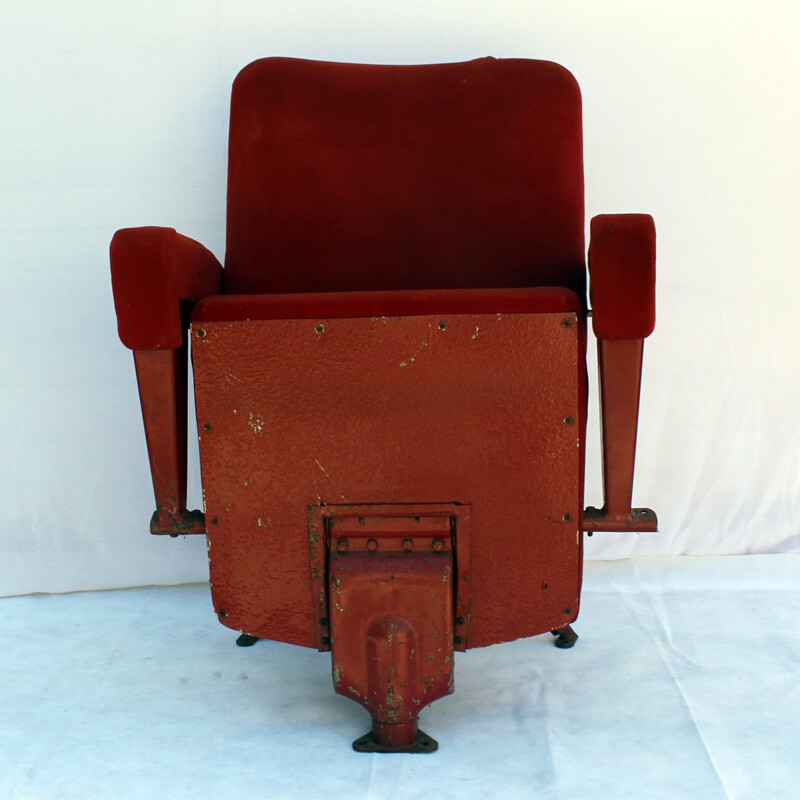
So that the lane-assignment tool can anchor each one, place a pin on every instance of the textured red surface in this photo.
(484, 411)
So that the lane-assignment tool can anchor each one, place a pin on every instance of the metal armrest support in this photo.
(622, 267)
(157, 276)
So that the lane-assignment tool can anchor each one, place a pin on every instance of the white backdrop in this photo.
(115, 115)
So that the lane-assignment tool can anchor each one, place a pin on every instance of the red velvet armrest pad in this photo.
(154, 271)
(386, 304)
(622, 270)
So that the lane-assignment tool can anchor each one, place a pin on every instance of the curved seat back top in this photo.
(450, 176)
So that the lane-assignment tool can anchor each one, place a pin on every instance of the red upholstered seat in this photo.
(390, 370)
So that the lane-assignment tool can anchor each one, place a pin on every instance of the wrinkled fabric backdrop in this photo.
(116, 115)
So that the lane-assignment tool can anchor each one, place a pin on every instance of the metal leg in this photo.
(246, 640)
(566, 637)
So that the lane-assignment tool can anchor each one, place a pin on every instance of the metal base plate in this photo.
(422, 744)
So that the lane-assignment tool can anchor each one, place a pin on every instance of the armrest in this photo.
(622, 270)
(154, 273)
(622, 258)
(157, 275)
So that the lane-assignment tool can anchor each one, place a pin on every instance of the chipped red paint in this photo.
(451, 522)
(291, 418)
(390, 589)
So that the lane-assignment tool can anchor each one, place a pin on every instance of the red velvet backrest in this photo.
(358, 177)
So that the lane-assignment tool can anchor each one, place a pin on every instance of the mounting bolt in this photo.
(408, 544)
(342, 545)
(372, 544)
(320, 328)
(438, 545)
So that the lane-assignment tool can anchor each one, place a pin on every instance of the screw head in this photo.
(222, 613)
(569, 421)
(342, 545)
(460, 620)
(442, 325)
(459, 640)
(215, 520)
(201, 333)
(437, 545)
(408, 544)
(207, 426)
(323, 620)
(372, 544)
(567, 517)
(566, 322)
(320, 328)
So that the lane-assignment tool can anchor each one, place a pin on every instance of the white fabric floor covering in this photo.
(683, 684)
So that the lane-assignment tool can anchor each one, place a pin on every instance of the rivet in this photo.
(201, 333)
(460, 620)
(442, 325)
(222, 612)
(372, 544)
(408, 544)
(438, 545)
(566, 322)
(567, 517)
(320, 328)
(207, 426)
(215, 520)
(569, 421)
(341, 545)
(459, 640)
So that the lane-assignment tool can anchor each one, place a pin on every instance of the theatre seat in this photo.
(390, 370)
